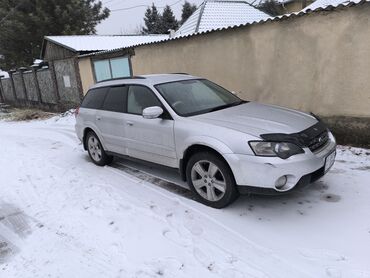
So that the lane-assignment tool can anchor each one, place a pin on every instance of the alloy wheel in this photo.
(208, 180)
(94, 148)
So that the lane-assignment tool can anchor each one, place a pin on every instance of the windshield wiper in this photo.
(226, 106)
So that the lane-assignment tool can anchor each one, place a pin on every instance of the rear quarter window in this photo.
(116, 99)
(94, 98)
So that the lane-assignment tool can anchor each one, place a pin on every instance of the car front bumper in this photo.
(255, 174)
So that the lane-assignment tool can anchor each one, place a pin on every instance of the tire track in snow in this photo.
(266, 255)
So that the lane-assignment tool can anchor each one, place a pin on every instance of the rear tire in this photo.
(96, 151)
(211, 180)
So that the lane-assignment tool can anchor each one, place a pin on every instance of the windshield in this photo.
(196, 96)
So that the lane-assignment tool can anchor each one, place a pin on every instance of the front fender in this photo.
(207, 141)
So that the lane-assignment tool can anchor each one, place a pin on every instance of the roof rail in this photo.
(184, 73)
(122, 78)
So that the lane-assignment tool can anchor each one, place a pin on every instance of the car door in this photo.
(90, 106)
(110, 119)
(149, 139)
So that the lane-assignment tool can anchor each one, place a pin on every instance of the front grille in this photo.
(319, 141)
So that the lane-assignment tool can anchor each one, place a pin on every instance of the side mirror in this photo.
(152, 112)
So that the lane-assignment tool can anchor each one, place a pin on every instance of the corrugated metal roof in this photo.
(190, 24)
(325, 3)
(277, 18)
(214, 14)
(99, 43)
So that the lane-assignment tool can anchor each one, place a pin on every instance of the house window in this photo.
(112, 68)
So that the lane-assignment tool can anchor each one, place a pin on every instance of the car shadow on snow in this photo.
(300, 201)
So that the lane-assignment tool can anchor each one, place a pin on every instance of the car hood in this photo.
(255, 119)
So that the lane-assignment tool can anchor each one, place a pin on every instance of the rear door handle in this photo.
(98, 118)
(129, 123)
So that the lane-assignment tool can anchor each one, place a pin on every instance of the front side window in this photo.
(94, 98)
(115, 101)
(112, 68)
(196, 96)
(139, 98)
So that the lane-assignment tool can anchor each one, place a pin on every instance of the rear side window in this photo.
(115, 100)
(94, 98)
(139, 98)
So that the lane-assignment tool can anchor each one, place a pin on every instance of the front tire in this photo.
(211, 179)
(96, 151)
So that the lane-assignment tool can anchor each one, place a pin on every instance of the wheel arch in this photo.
(196, 148)
(85, 132)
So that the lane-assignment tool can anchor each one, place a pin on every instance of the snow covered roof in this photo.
(4, 73)
(262, 21)
(88, 43)
(325, 3)
(284, 1)
(215, 14)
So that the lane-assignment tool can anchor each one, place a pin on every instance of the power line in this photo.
(108, 2)
(113, 3)
(140, 6)
(116, 3)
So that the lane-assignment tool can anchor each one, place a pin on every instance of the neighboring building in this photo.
(210, 15)
(292, 6)
(90, 71)
(4, 74)
(37, 62)
(218, 14)
(98, 58)
(325, 3)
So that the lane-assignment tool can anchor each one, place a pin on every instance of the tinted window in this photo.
(139, 98)
(191, 97)
(116, 99)
(94, 98)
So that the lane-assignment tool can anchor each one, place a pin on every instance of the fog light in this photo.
(281, 182)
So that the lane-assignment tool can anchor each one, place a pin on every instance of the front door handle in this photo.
(129, 123)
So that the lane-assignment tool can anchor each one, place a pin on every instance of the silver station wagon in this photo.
(220, 144)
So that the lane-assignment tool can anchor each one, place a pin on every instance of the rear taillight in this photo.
(77, 111)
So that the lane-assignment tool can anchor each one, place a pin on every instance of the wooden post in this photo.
(2, 95)
(78, 78)
(21, 70)
(12, 83)
(54, 78)
(38, 91)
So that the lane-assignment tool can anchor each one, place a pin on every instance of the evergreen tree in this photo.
(168, 20)
(23, 25)
(152, 21)
(187, 10)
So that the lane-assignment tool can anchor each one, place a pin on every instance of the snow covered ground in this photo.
(62, 216)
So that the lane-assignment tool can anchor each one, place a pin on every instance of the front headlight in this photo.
(281, 149)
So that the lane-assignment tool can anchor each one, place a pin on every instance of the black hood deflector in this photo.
(302, 139)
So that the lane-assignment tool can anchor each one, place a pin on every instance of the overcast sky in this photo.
(129, 21)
